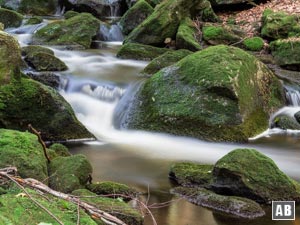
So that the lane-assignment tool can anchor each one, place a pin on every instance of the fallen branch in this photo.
(35, 184)
(38, 134)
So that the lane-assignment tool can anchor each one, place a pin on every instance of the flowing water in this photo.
(97, 82)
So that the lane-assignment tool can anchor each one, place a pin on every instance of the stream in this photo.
(97, 82)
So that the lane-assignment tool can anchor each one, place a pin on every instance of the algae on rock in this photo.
(10, 18)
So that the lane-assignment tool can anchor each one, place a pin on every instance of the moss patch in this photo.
(10, 18)
(254, 43)
(34, 20)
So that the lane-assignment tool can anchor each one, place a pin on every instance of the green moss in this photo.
(77, 30)
(254, 44)
(164, 60)
(17, 210)
(277, 25)
(135, 15)
(108, 188)
(285, 122)
(10, 58)
(22, 150)
(140, 52)
(41, 61)
(209, 95)
(249, 173)
(241, 207)
(191, 174)
(33, 49)
(38, 7)
(114, 206)
(60, 149)
(218, 34)
(186, 36)
(10, 18)
(69, 173)
(70, 14)
(286, 52)
(34, 20)
(29, 102)
(164, 21)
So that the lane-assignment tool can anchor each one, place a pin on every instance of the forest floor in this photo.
(250, 19)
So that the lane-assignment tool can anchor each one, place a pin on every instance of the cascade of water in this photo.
(114, 6)
(110, 33)
(60, 11)
(292, 95)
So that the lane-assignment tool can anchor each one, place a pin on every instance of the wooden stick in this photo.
(38, 134)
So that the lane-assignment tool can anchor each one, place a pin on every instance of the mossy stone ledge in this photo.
(10, 18)
(221, 93)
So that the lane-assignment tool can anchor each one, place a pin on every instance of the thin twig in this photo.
(38, 134)
(31, 198)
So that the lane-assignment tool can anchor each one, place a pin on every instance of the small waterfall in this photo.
(292, 95)
(114, 8)
(110, 33)
(60, 11)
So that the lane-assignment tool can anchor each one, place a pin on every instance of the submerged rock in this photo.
(186, 36)
(69, 173)
(237, 206)
(22, 150)
(140, 52)
(278, 25)
(10, 18)
(220, 94)
(191, 174)
(164, 60)
(164, 21)
(248, 173)
(16, 209)
(113, 206)
(78, 30)
(135, 15)
(286, 53)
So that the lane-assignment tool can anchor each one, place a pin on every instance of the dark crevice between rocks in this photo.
(237, 7)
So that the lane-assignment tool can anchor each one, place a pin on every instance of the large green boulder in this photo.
(75, 31)
(10, 58)
(221, 93)
(140, 51)
(38, 7)
(164, 21)
(248, 173)
(277, 25)
(69, 173)
(115, 207)
(10, 18)
(286, 53)
(237, 206)
(186, 36)
(22, 150)
(164, 60)
(19, 209)
(216, 34)
(135, 15)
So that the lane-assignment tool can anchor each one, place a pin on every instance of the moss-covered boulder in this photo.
(216, 34)
(248, 173)
(70, 14)
(164, 60)
(33, 49)
(186, 36)
(135, 15)
(77, 31)
(237, 206)
(113, 206)
(191, 174)
(221, 93)
(69, 173)
(164, 21)
(10, 18)
(22, 150)
(140, 51)
(38, 7)
(277, 25)
(50, 79)
(34, 20)
(112, 188)
(254, 43)
(60, 149)
(10, 58)
(286, 53)
(45, 62)
(17, 209)
(285, 122)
